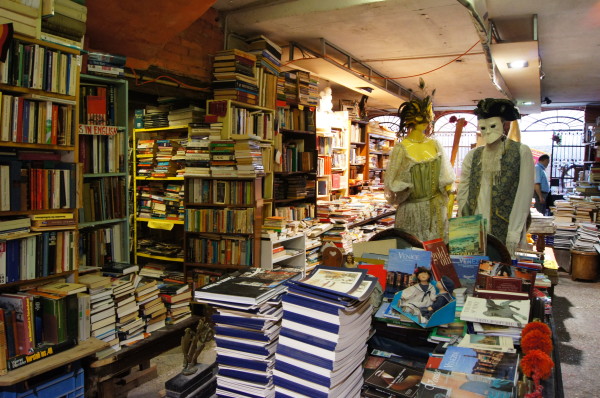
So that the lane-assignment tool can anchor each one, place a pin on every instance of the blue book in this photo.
(311, 322)
(308, 338)
(493, 364)
(247, 376)
(13, 260)
(244, 334)
(242, 363)
(303, 373)
(251, 323)
(305, 357)
(252, 349)
(407, 260)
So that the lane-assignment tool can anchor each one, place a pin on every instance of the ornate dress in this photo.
(418, 189)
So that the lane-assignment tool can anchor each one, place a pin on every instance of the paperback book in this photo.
(514, 313)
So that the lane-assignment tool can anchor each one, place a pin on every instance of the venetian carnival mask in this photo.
(491, 129)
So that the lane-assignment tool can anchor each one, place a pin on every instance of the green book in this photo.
(54, 319)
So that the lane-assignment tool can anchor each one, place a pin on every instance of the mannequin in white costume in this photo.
(497, 178)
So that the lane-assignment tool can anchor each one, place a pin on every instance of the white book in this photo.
(513, 313)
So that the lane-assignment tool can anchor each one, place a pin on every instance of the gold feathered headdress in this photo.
(416, 111)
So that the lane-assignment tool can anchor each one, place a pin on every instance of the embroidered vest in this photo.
(503, 193)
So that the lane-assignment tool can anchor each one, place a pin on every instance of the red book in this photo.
(376, 270)
(54, 134)
(168, 298)
(24, 337)
(441, 263)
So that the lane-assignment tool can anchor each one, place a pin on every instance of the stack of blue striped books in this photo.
(325, 326)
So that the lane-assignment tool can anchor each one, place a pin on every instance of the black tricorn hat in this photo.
(497, 107)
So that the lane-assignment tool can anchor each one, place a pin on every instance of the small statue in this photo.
(192, 344)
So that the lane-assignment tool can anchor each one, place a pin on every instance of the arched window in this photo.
(392, 122)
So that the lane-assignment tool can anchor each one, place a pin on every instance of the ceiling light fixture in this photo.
(527, 103)
(518, 64)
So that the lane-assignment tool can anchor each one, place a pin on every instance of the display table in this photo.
(100, 372)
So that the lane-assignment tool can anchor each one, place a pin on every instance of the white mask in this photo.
(491, 129)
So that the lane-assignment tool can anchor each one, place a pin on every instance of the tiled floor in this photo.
(576, 309)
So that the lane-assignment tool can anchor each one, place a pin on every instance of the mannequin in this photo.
(419, 175)
(497, 178)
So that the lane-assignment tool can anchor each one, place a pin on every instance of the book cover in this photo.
(407, 260)
(441, 263)
(437, 383)
(396, 379)
(495, 364)
(513, 313)
(467, 235)
(62, 288)
(466, 268)
(334, 280)
(490, 343)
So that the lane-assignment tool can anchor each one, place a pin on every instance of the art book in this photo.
(467, 235)
(407, 260)
(466, 268)
(340, 283)
(499, 276)
(490, 343)
(396, 379)
(441, 263)
(513, 313)
(495, 364)
(438, 383)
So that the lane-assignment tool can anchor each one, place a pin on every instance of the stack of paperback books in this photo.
(152, 309)
(247, 322)
(102, 312)
(222, 158)
(176, 298)
(248, 158)
(129, 325)
(197, 156)
(324, 332)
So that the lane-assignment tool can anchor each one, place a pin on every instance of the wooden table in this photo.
(99, 372)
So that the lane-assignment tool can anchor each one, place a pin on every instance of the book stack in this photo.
(167, 164)
(159, 202)
(273, 225)
(296, 186)
(185, 116)
(152, 309)
(65, 20)
(324, 331)
(222, 158)
(234, 79)
(268, 62)
(129, 325)
(197, 156)
(176, 298)
(156, 116)
(160, 248)
(102, 313)
(563, 211)
(587, 237)
(585, 211)
(290, 87)
(339, 236)
(248, 158)
(247, 308)
(146, 152)
(105, 64)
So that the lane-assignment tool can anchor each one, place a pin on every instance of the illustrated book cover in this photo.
(441, 263)
(396, 379)
(513, 313)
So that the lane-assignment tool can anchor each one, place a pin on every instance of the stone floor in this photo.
(576, 307)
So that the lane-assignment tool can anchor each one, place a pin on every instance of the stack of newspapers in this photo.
(247, 318)
(324, 331)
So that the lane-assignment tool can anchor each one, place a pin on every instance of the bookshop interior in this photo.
(321, 199)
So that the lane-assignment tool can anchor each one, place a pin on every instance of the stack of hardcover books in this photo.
(102, 313)
(247, 322)
(324, 332)
(234, 79)
(176, 298)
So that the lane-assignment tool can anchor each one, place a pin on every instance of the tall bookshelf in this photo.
(333, 147)
(38, 154)
(295, 171)
(39, 181)
(358, 173)
(103, 153)
(158, 203)
(380, 144)
(223, 217)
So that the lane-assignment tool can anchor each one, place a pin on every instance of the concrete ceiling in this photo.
(441, 41)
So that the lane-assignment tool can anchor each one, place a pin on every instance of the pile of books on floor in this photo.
(324, 331)
(563, 210)
(247, 314)
(564, 235)
(233, 72)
